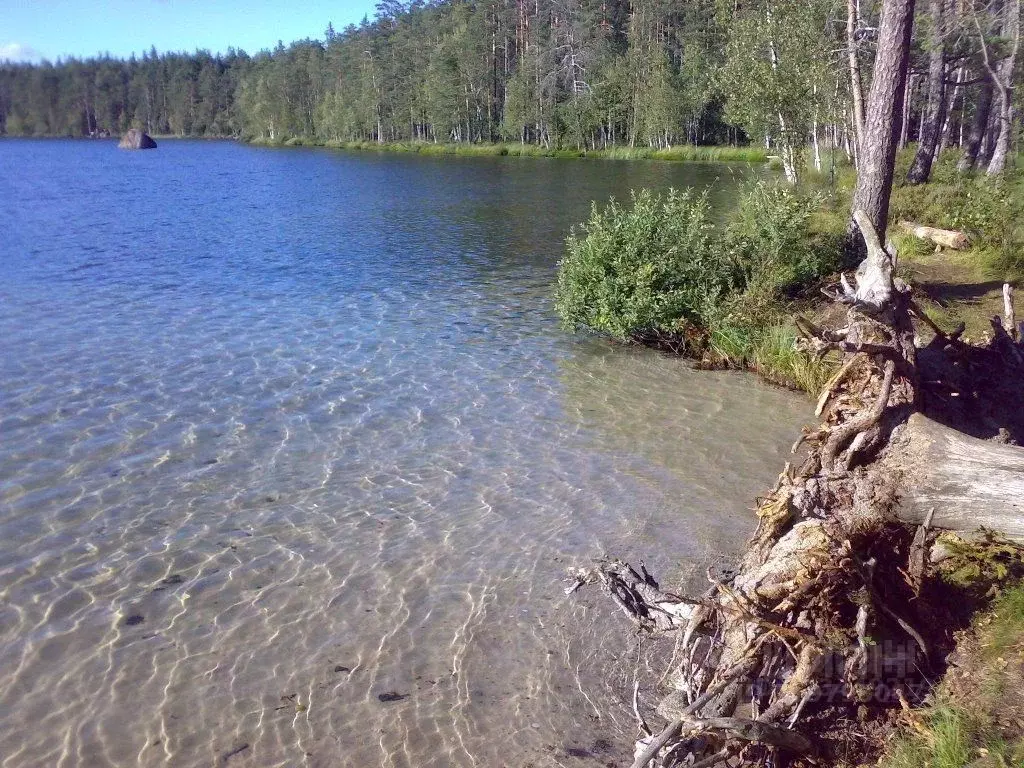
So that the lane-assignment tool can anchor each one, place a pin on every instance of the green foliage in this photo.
(769, 241)
(661, 271)
(574, 76)
(908, 246)
(776, 73)
(520, 100)
(981, 563)
(990, 211)
(169, 94)
(648, 269)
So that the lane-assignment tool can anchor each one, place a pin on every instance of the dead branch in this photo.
(1008, 314)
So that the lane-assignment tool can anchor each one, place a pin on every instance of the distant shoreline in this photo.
(681, 153)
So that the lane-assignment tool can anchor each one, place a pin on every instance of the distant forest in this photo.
(579, 73)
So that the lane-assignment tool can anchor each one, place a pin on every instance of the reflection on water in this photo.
(294, 458)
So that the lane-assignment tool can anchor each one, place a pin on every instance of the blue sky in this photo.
(34, 29)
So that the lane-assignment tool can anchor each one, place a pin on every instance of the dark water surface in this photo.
(294, 456)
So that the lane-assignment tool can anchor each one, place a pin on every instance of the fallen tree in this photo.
(941, 238)
(832, 589)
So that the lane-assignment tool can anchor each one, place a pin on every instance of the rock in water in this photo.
(136, 139)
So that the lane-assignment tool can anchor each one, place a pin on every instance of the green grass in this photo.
(969, 727)
(682, 153)
(770, 351)
(776, 357)
(1006, 631)
(989, 211)
(944, 742)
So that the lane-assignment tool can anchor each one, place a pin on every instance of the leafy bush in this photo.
(649, 269)
(769, 241)
(660, 270)
(661, 265)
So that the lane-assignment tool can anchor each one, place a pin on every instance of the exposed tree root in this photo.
(829, 603)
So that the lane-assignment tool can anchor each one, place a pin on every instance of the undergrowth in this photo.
(974, 718)
(988, 210)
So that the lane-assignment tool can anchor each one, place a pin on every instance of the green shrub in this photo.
(769, 240)
(660, 270)
(648, 269)
(661, 266)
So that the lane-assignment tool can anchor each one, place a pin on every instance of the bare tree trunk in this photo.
(921, 168)
(816, 145)
(885, 104)
(908, 94)
(988, 144)
(1003, 78)
(856, 84)
(947, 124)
(979, 127)
(1001, 150)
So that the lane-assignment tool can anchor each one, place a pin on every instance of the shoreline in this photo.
(710, 153)
(682, 153)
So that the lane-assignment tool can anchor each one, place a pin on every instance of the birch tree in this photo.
(776, 59)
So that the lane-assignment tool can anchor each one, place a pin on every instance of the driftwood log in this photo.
(835, 568)
(943, 238)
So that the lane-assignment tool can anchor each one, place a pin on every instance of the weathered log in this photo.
(945, 238)
(969, 483)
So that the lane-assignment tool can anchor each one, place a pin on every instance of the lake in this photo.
(294, 456)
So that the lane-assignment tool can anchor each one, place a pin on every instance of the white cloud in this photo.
(18, 53)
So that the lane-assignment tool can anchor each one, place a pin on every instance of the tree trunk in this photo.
(856, 85)
(908, 94)
(1001, 150)
(979, 127)
(921, 168)
(885, 105)
(947, 123)
(1004, 78)
(815, 145)
(963, 482)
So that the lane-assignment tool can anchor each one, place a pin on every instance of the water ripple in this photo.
(295, 456)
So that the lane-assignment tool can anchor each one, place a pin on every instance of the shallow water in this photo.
(294, 456)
